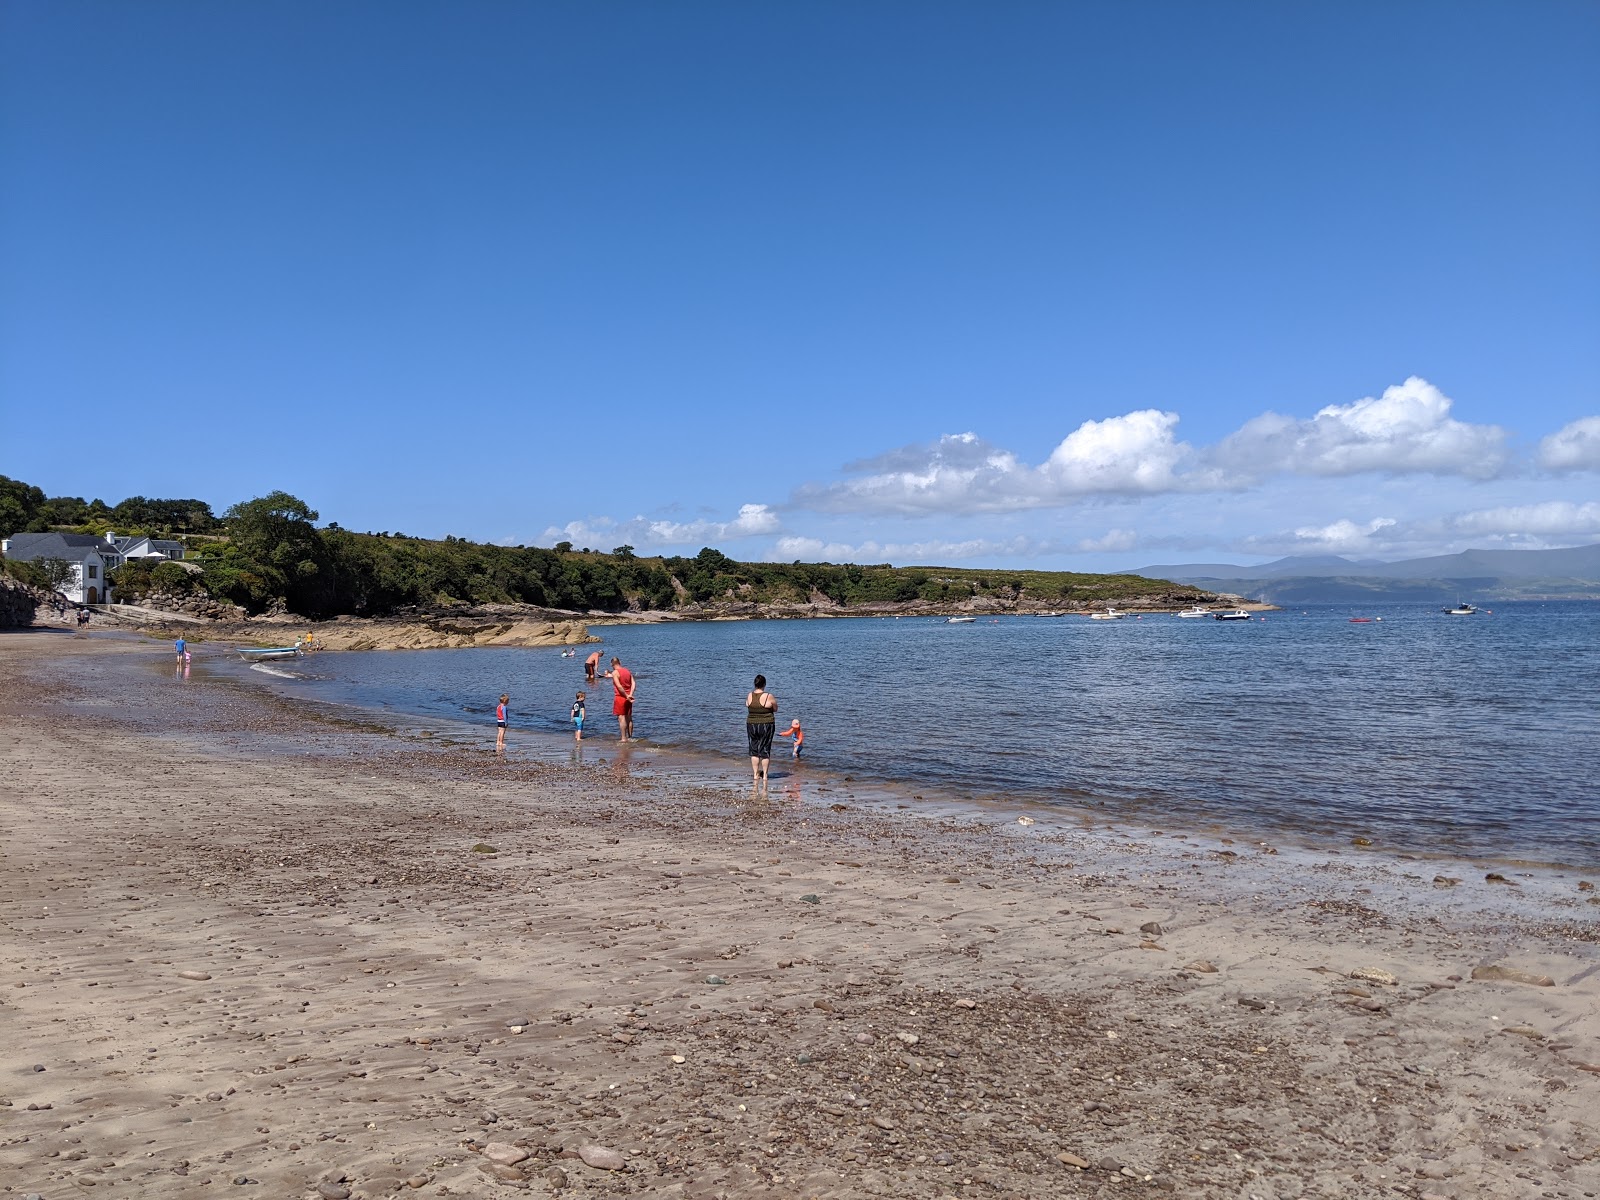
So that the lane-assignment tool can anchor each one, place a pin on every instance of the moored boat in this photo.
(959, 620)
(1110, 614)
(1198, 610)
(1232, 614)
(1460, 610)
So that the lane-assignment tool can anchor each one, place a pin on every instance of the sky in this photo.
(1067, 285)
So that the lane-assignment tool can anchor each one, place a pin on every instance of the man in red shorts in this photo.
(622, 698)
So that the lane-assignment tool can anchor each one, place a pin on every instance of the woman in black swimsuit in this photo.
(761, 718)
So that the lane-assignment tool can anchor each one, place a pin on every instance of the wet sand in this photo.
(246, 946)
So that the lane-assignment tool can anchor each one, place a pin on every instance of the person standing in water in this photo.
(590, 666)
(622, 698)
(579, 709)
(178, 646)
(500, 724)
(761, 720)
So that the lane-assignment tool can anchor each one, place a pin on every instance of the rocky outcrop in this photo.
(18, 602)
(448, 632)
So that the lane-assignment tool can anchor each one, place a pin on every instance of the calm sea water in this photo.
(1470, 735)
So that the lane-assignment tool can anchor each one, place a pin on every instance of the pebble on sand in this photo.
(1374, 975)
(1511, 975)
(198, 975)
(505, 1154)
(1068, 1159)
(602, 1158)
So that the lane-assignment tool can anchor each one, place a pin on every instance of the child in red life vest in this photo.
(796, 733)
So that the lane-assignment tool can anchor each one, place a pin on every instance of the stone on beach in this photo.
(1493, 973)
(602, 1158)
(504, 1154)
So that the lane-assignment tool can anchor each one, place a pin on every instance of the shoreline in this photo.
(303, 860)
(1075, 809)
(520, 625)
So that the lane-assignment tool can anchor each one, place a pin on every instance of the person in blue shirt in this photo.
(578, 713)
(179, 647)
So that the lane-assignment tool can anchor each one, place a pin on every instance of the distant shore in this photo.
(526, 625)
(346, 959)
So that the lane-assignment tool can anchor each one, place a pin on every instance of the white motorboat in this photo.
(959, 620)
(1198, 610)
(1110, 614)
(1461, 610)
(1232, 614)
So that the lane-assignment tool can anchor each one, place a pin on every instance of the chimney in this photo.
(111, 538)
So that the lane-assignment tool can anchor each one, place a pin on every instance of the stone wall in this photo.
(18, 602)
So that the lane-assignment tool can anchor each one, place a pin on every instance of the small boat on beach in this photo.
(1232, 614)
(270, 652)
(1460, 610)
(1110, 614)
(959, 620)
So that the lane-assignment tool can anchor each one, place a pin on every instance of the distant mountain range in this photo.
(1570, 574)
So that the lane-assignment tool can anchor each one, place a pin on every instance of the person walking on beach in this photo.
(83, 623)
(590, 666)
(577, 717)
(622, 689)
(500, 724)
(761, 719)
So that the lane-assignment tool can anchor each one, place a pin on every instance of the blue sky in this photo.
(1083, 285)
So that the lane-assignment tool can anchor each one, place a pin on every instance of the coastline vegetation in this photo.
(269, 552)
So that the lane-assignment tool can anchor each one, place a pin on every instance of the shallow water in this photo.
(1476, 736)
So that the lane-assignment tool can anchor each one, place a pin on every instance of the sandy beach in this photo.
(251, 948)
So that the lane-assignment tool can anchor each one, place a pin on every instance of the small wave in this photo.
(266, 670)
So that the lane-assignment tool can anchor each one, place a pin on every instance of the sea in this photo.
(1396, 725)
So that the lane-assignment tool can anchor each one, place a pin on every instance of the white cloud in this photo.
(1550, 523)
(1337, 537)
(1134, 454)
(1574, 447)
(643, 533)
(1407, 430)
(940, 551)
(1547, 525)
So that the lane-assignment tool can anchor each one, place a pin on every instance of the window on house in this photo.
(92, 570)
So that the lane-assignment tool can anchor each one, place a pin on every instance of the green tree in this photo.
(273, 538)
(56, 572)
(19, 505)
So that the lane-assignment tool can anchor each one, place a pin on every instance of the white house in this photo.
(83, 552)
(118, 550)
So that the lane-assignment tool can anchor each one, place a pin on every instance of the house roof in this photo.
(70, 547)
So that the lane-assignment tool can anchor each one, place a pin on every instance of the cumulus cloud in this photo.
(1407, 430)
(1130, 455)
(753, 520)
(1574, 447)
